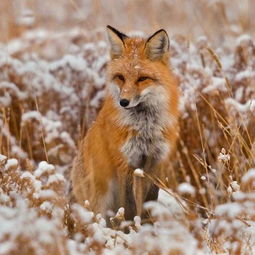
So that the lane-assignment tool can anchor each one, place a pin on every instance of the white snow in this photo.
(249, 176)
(235, 186)
(45, 194)
(186, 188)
(121, 212)
(223, 156)
(139, 172)
(3, 159)
(4, 198)
(75, 62)
(83, 214)
(11, 163)
(241, 108)
(137, 220)
(203, 178)
(218, 84)
(31, 115)
(26, 17)
(36, 183)
(243, 39)
(95, 102)
(47, 206)
(44, 168)
(170, 202)
(247, 74)
(55, 178)
(231, 210)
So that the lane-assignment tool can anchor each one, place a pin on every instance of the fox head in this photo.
(138, 71)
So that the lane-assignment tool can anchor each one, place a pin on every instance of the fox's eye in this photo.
(143, 78)
(120, 77)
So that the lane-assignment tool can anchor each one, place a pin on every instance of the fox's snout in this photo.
(129, 102)
(127, 96)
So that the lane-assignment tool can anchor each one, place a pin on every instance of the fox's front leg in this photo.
(139, 186)
(138, 192)
(143, 189)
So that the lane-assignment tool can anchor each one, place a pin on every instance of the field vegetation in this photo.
(53, 57)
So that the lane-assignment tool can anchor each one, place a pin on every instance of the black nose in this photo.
(124, 102)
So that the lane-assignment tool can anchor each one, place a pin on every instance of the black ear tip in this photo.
(109, 27)
(112, 29)
(118, 33)
(162, 31)
(158, 32)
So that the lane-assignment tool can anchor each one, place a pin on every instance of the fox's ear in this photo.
(157, 46)
(116, 39)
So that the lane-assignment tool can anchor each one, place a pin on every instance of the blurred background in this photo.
(213, 18)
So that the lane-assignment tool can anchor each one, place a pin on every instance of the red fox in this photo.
(137, 126)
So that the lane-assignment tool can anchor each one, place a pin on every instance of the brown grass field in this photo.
(53, 57)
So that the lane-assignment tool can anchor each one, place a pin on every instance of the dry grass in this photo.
(51, 89)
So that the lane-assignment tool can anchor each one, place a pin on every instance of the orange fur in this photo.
(101, 172)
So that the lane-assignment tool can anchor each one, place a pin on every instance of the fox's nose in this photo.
(124, 102)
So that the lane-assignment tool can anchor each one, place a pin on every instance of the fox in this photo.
(136, 128)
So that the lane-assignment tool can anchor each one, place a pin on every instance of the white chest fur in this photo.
(149, 121)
